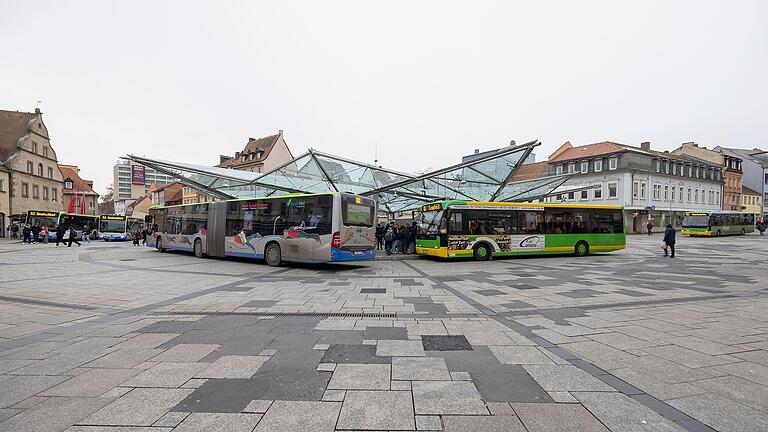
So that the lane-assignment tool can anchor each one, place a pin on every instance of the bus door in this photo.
(217, 221)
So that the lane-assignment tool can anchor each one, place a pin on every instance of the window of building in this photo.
(54, 194)
(642, 190)
(2, 185)
(666, 167)
(599, 166)
(571, 168)
(680, 195)
(674, 169)
(90, 203)
(559, 170)
(696, 196)
(635, 189)
(712, 197)
(598, 192)
(698, 172)
(68, 184)
(34, 147)
(40, 170)
(30, 167)
(584, 195)
(35, 192)
(25, 190)
(571, 195)
(50, 172)
(45, 151)
(613, 163)
(657, 164)
(657, 192)
(672, 194)
(690, 171)
(666, 193)
(613, 190)
(584, 167)
(45, 193)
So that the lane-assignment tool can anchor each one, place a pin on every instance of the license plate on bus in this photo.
(358, 252)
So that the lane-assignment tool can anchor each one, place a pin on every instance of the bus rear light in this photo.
(336, 241)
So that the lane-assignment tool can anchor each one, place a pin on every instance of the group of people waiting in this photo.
(32, 234)
(393, 238)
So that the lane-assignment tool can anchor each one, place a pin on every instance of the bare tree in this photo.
(107, 201)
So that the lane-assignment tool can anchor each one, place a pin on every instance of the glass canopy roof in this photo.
(488, 178)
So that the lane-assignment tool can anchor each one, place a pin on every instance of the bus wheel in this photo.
(198, 248)
(159, 244)
(273, 255)
(482, 252)
(581, 249)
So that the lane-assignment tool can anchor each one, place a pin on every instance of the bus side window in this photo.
(557, 221)
(456, 223)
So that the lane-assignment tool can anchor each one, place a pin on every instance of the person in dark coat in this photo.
(669, 240)
(72, 235)
(26, 234)
(60, 234)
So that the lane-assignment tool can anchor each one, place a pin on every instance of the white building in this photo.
(131, 181)
(650, 185)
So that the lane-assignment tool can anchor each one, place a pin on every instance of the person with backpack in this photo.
(72, 235)
(669, 241)
(389, 239)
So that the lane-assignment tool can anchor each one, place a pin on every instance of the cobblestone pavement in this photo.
(110, 337)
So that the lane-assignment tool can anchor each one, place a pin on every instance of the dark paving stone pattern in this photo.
(445, 343)
(354, 354)
(373, 291)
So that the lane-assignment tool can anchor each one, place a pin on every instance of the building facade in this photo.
(656, 187)
(731, 166)
(131, 181)
(751, 201)
(34, 180)
(755, 169)
(168, 195)
(259, 155)
(77, 193)
(192, 196)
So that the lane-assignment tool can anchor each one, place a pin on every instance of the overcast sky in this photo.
(426, 82)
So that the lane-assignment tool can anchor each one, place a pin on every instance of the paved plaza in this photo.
(111, 337)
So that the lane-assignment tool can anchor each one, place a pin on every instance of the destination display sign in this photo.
(498, 207)
(431, 207)
(137, 175)
(43, 214)
(113, 217)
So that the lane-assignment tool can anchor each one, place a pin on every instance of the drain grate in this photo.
(294, 314)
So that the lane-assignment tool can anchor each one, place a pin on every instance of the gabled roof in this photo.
(530, 171)
(137, 201)
(747, 191)
(568, 152)
(13, 125)
(72, 173)
(260, 146)
(171, 191)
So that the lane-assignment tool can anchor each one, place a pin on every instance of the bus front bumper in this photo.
(441, 252)
(108, 237)
(696, 233)
(343, 255)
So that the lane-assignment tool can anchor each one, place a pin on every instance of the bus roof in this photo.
(289, 195)
(449, 203)
(713, 212)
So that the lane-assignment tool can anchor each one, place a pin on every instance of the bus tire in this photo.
(159, 244)
(481, 252)
(581, 249)
(273, 255)
(198, 248)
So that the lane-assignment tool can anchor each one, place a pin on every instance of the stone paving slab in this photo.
(166, 374)
(92, 383)
(290, 416)
(377, 410)
(505, 423)
(361, 377)
(447, 397)
(220, 422)
(419, 369)
(233, 367)
(140, 407)
(557, 418)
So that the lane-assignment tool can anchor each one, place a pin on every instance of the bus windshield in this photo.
(429, 223)
(43, 219)
(357, 211)
(112, 226)
(696, 221)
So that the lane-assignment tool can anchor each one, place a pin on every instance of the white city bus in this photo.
(311, 228)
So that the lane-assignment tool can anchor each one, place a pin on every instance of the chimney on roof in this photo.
(690, 144)
(512, 143)
(645, 145)
(251, 139)
(223, 158)
(477, 151)
(280, 131)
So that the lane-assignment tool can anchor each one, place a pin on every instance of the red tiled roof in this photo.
(13, 125)
(530, 171)
(172, 192)
(70, 172)
(263, 145)
(569, 152)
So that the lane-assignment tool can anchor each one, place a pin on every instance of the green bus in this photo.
(717, 223)
(481, 230)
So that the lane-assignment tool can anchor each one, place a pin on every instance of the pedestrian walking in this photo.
(414, 231)
(87, 230)
(761, 227)
(35, 233)
(380, 231)
(137, 237)
(59, 234)
(389, 239)
(144, 235)
(26, 234)
(44, 234)
(669, 241)
(15, 231)
(649, 227)
(72, 235)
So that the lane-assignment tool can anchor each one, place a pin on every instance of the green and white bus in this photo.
(717, 223)
(454, 229)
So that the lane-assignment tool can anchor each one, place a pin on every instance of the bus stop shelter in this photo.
(488, 178)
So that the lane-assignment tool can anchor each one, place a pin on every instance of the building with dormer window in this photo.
(77, 194)
(259, 155)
